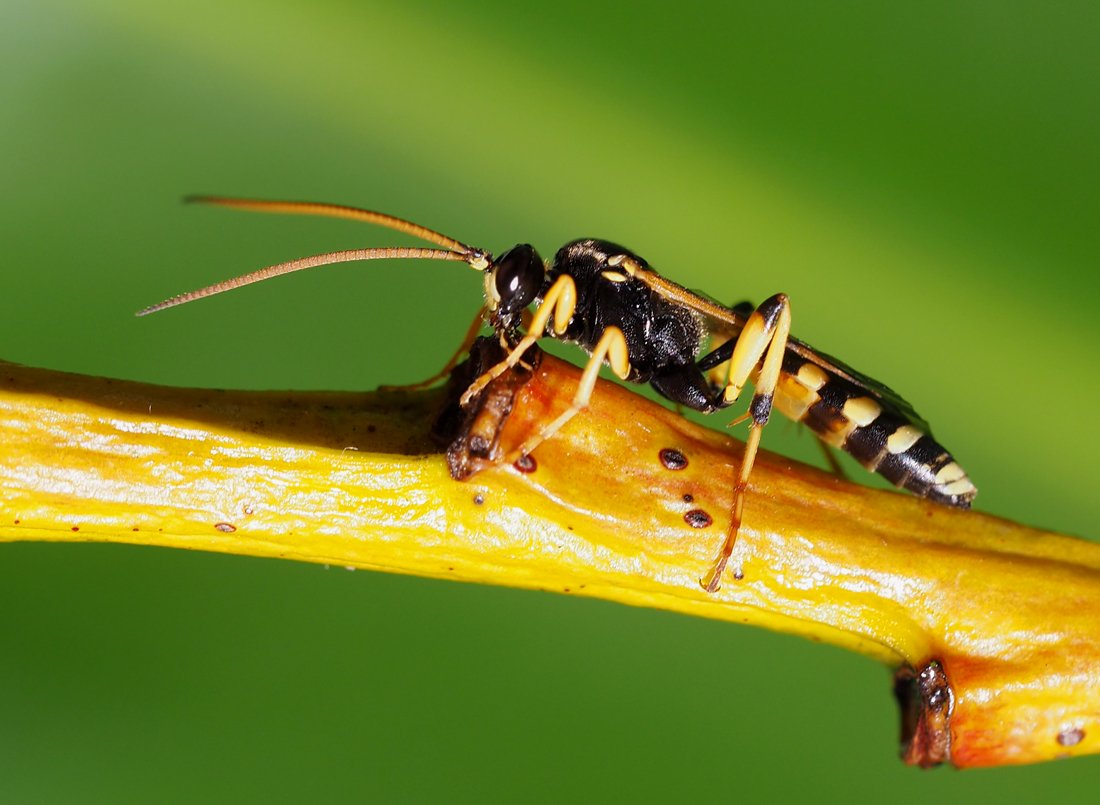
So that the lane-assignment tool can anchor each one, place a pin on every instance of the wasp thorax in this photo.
(518, 276)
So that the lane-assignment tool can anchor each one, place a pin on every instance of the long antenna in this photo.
(336, 211)
(454, 250)
(385, 253)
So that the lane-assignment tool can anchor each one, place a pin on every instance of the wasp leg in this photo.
(560, 302)
(832, 460)
(464, 347)
(687, 385)
(764, 337)
(612, 348)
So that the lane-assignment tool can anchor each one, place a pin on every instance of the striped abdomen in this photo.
(874, 428)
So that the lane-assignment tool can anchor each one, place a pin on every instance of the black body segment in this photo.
(874, 430)
(659, 334)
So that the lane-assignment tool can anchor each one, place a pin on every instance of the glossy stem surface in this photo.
(627, 503)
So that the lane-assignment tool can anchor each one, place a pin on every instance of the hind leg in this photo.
(764, 337)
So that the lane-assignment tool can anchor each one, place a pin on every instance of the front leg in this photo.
(560, 302)
(688, 385)
(463, 348)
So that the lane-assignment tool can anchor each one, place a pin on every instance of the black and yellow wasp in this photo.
(608, 301)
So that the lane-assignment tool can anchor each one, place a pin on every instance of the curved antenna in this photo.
(336, 211)
(347, 256)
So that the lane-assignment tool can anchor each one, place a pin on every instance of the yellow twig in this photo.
(998, 622)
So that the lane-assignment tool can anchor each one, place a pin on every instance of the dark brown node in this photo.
(526, 464)
(672, 459)
(1071, 736)
(926, 701)
(697, 518)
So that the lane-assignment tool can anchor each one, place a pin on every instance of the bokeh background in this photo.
(922, 179)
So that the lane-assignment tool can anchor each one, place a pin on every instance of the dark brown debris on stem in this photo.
(472, 435)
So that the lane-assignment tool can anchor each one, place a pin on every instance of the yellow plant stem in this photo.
(628, 503)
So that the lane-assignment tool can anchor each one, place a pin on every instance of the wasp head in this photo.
(512, 282)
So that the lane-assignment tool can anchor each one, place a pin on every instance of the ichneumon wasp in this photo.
(608, 301)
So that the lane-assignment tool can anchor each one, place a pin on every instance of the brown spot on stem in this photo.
(526, 464)
(697, 518)
(225, 528)
(1071, 736)
(672, 459)
(479, 499)
(688, 497)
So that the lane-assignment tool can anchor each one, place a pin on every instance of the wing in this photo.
(730, 322)
(875, 389)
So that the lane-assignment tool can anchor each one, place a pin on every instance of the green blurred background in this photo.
(923, 180)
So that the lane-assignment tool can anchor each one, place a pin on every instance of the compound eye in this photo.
(519, 275)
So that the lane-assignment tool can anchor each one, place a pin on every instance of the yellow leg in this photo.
(612, 348)
(832, 460)
(560, 302)
(764, 336)
(467, 342)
